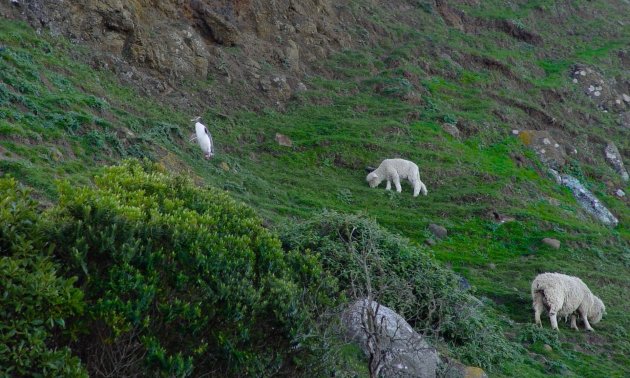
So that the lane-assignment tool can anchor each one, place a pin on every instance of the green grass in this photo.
(61, 119)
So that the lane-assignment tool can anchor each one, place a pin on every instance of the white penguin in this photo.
(203, 138)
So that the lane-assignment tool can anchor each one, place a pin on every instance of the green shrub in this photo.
(178, 280)
(35, 301)
(365, 260)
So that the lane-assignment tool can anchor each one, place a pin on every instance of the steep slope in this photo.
(486, 67)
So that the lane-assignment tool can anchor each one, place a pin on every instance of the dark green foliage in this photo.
(178, 280)
(34, 302)
(366, 261)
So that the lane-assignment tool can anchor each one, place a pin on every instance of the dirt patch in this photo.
(516, 31)
(456, 18)
(344, 162)
(544, 119)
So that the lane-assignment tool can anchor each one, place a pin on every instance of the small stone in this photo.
(620, 193)
(553, 201)
(459, 370)
(614, 158)
(556, 145)
(474, 372)
(451, 129)
(437, 230)
(515, 132)
(546, 141)
(224, 166)
(547, 348)
(492, 266)
(625, 97)
(591, 88)
(553, 243)
(283, 140)
(500, 218)
(618, 101)
(575, 81)
(597, 93)
(598, 88)
(430, 242)
(583, 73)
(463, 283)
(542, 151)
(301, 87)
(55, 154)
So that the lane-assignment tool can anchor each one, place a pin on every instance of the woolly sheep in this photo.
(394, 170)
(564, 295)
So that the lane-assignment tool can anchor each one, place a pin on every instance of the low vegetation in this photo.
(130, 268)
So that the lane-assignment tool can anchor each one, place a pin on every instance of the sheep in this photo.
(564, 295)
(394, 170)
(203, 138)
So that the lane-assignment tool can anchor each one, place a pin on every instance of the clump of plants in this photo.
(367, 261)
(35, 301)
(177, 280)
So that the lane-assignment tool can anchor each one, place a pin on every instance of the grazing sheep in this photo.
(564, 295)
(394, 170)
(203, 138)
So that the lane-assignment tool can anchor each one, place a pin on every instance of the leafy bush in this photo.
(179, 280)
(35, 301)
(367, 260)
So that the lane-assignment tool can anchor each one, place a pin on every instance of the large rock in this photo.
(220, 29)
(614, 158)
(404, 353)
(586, 199)
(550, 152)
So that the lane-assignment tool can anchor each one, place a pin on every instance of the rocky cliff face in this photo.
(261, 45)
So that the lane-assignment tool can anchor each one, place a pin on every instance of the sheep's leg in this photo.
(553, 317)
(389, 185)
(416, 187)
(396, 179)
(538, 308)
(585, 319)
(573, 322)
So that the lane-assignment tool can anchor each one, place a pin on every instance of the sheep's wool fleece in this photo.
(566, 292)
(405, 168)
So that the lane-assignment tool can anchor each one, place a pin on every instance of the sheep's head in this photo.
(373, 179)
(597, 310)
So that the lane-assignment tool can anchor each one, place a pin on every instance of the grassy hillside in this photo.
(61, 119)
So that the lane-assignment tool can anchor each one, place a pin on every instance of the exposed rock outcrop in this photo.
(548, 150)
(160, 46)
(586, 199)
(608, 94)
